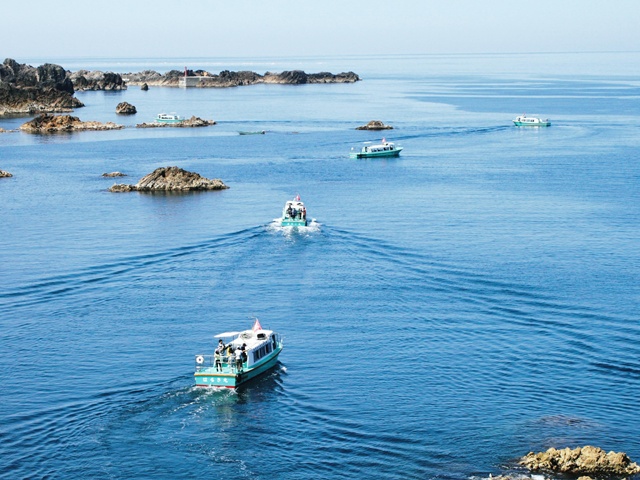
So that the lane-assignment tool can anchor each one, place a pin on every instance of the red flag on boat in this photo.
(298, 198)
(256, 325)
(384, 140)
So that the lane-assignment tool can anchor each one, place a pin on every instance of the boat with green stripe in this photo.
(383, 149)
(524, 121)
(239, 357)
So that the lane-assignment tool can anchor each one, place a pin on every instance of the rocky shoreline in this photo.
(228, 78)
(27, 90)
(50, 88)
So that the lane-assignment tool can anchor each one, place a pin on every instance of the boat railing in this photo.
(224, 363)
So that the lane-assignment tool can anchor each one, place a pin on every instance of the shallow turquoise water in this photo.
(463, 304)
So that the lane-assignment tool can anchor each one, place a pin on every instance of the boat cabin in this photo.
(385, 147)
(294, 210)
(249, 346)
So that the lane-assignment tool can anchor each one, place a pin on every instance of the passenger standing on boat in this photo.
(218, 356)
(304, 213)
(289, 211)
(239, 359)
(229, 352)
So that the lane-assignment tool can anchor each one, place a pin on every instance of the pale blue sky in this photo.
(259, 28)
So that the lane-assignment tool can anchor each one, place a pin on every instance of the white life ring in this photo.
(199, 359)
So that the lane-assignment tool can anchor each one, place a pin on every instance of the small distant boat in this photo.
(294, 214)
(383, 149)
(524, 121)
(261, 132)
(239, 357)
(168, 118)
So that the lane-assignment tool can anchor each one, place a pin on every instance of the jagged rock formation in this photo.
(144, 87)
(171, 179)
(114, 174)
(97, 80)
(125, 108)
(190, 122)
(375, 125)
(47, 123)
(4, 174)
(26, 90)
(586, 460)
(227, 78)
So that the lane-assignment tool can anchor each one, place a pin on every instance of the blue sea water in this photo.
(455, 308)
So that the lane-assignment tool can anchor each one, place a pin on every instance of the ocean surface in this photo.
(451, 310)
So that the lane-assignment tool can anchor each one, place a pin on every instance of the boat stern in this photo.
(289, 222)
(215, 379)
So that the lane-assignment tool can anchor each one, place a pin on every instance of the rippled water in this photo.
(449, 311)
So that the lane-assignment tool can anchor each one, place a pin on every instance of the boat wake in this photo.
(275, 227)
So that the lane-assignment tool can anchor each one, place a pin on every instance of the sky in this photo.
(281, 28)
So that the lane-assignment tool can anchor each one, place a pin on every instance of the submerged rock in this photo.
(171, 179)
(114, 174)
(375, 125)
(47, 123)
(586, 460)
(4, 174)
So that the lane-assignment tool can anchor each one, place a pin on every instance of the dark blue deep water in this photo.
(457, 307)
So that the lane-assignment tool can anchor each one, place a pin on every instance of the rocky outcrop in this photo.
(27, 90)
(125, 108)
(114, 174)
(47, 123)
(298, 77)
(586, 460)
(375, 125)
(228, 78)
(97, 80)
(171, 179)
(4, 174)
(144, 87)
(190, 122)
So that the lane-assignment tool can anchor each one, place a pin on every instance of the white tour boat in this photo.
(294, 214)
(383, 149)
(169, 118)
(239, 357)
(524, 121)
